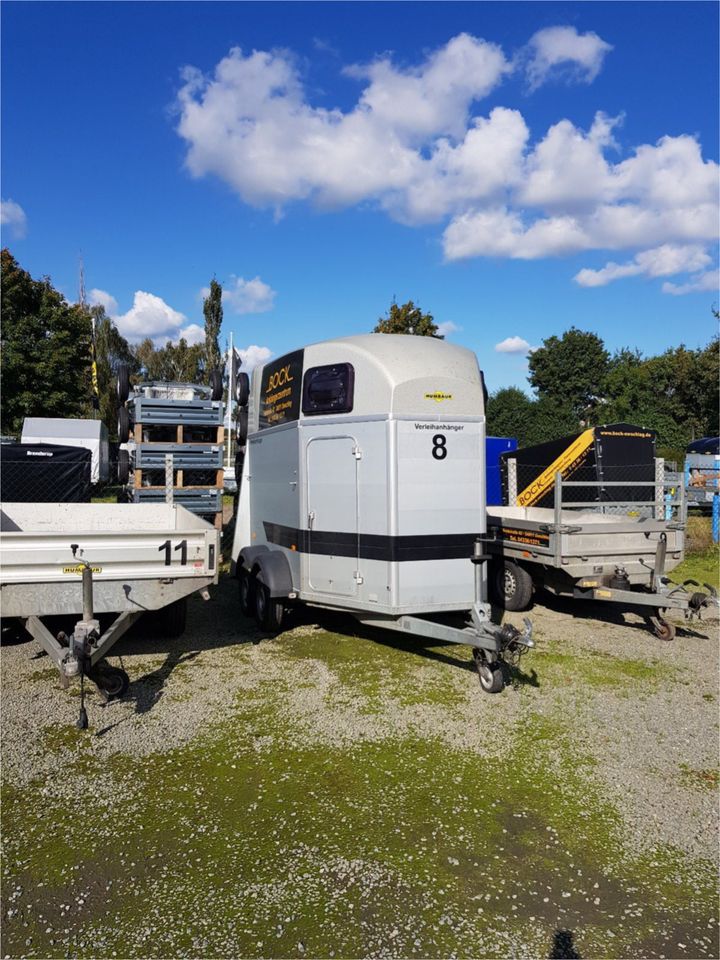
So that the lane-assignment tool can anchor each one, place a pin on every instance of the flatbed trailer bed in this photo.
(60, 559)
(595, 554)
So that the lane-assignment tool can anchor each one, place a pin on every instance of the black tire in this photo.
(269, 611)
(242, 426)
(511, 585)
(246, 591)
(123, 425)
(491, 676)
(113, 681)
(216, 385)
(242, 389)
(123, 382)
(123, 466)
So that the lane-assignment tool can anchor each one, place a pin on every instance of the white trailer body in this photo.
(91, 435)
(363, 481)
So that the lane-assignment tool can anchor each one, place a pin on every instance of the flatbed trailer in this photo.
(60, 559)
(613, 552)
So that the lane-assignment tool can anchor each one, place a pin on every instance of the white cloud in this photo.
(251, 125)
(13, 217)
(416, 144)
(447, 327)
(513, 345)
(246, 296)
(704, 282)
(662, 261)
(253, 356)
(151, 317)
(193, 333)
(562, 51)
(100, 298)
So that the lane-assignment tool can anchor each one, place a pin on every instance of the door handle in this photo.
(311, 519)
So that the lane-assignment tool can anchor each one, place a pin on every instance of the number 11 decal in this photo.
(167, 547)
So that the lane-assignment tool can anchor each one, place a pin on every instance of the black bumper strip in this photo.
(370, 546)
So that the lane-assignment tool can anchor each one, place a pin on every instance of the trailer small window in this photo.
(328, 389)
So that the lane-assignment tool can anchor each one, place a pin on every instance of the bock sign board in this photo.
(281, 390)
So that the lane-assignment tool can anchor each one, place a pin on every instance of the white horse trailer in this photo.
(363, 490)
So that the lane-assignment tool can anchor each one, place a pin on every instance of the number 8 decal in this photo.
(439, 450)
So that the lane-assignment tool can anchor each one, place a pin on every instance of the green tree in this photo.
(45, 345)
(674, 393)
(570, 371)
(508, 414)
(408, 319)
(180, 362)
(111, 349)
(213, 313)
(511, 413)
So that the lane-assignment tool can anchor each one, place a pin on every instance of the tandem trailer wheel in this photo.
(246, 591)
(269, 611)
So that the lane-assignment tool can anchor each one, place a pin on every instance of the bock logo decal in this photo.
(568, 461)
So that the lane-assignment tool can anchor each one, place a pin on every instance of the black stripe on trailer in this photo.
(369, 546)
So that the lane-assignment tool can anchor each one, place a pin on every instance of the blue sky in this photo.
(515, 168)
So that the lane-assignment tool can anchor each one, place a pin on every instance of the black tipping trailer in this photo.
(604, 456)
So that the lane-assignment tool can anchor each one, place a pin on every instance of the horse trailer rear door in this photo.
(332, 497)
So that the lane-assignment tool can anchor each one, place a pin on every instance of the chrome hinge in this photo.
(357, 453)
(358, 577)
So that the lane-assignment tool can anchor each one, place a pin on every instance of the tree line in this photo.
(48, 346)
(579, 383)
(46, 370)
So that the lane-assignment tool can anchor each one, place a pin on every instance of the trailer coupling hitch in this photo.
(698, 600)
(513, 643)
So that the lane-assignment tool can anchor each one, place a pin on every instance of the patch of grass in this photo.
(708, 778)
(703, 567)
(105, 494)
(375, 667)
(596, 669)
(698, 534)
(252, 842)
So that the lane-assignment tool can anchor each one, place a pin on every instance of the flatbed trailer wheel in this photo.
(269, 611)
(112, 682)
(661, 628)
(511, 585)
(491, 676)
(246, 589)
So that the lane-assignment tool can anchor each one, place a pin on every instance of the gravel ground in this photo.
(270, 797)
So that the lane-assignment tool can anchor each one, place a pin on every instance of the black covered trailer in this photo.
(44, 473)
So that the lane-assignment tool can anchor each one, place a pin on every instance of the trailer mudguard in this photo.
(272, 566)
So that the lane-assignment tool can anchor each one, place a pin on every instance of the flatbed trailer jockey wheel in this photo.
(661, 628)
(112, 682)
